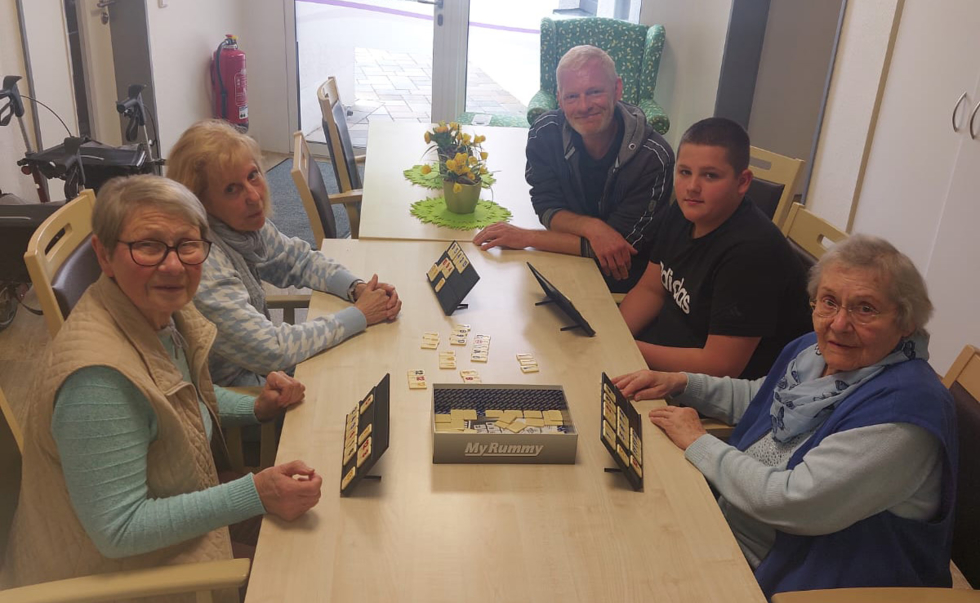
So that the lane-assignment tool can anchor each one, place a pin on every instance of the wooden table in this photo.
(455, 533)
(388, 196)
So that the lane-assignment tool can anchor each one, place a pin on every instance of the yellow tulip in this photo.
(479, 138)
(426, 169)
(483, 170)
(466, 138)
(441, 129)
(450, 164)
(442, 123)
(453, 126)
(428, 138)
(457, 187)
(484, 155)
(472, 160)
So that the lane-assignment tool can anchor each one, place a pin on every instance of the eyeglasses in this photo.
(863, 314)
(150, 252)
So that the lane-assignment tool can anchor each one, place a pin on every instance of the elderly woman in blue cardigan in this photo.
(841, 470)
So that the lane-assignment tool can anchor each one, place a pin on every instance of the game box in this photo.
(489, 423)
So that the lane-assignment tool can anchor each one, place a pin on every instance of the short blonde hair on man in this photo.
(578, 57)
(905, 286)
(120, 198)
(212, 146)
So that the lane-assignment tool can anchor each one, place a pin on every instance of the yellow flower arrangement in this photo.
(462, 159)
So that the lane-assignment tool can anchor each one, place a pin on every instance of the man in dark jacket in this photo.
(598, 173)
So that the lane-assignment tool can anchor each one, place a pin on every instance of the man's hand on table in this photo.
(377, 301)
(611, 250)
(504, 235)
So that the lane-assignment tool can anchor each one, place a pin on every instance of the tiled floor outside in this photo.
(397, 86)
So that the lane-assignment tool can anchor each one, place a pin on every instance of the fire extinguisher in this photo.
(228, 83)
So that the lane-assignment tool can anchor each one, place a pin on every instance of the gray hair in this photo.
(578, 56)
(905, 285)
(119, 198)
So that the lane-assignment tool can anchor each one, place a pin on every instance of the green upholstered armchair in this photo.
(636, 49)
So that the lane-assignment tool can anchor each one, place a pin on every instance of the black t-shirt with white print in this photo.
(742, 279)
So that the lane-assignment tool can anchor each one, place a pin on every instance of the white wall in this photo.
(267, 30)
(854, 87)
(182, 38)
(691, 64)
(11, 141)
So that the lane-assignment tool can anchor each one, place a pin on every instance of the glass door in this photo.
(426, 60)
(380, 52)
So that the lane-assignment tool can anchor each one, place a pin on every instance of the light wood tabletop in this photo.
(388, 196)
(437, 532)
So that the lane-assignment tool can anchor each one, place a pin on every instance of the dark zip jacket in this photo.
(637, 188)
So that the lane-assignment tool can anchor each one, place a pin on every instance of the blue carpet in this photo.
(287, 208)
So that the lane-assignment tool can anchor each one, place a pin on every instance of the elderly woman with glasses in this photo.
(118, 466)
(841, 470)
(222, 167)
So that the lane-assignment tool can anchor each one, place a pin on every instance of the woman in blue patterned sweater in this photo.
(222, 167)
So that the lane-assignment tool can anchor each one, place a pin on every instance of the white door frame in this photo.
(448, 64)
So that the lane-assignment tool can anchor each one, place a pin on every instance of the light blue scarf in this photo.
(802, 399)
(245, 250)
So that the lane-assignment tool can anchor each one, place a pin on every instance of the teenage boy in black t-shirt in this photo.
(723, 292)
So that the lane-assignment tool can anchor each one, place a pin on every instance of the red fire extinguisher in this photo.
(228, 83)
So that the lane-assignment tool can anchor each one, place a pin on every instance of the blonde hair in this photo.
(905, 285)
(119, 198)
(578, 57)
(212, 146)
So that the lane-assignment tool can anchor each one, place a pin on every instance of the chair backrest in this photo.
(312, 190)
(809, 232)
(963, 381)
(780, 173)
(61, 261)
(765, 195)
(11, 446)
(338, 137)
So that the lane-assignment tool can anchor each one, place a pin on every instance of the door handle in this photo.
(973, 117)
(956, 108)
(105, 3)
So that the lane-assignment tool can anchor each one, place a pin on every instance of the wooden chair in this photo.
(774, 183)
(963, 381)
(316, 200)
(62, 265)
(199, 578)
(338, 137)
(810, 233)
(61, 261)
